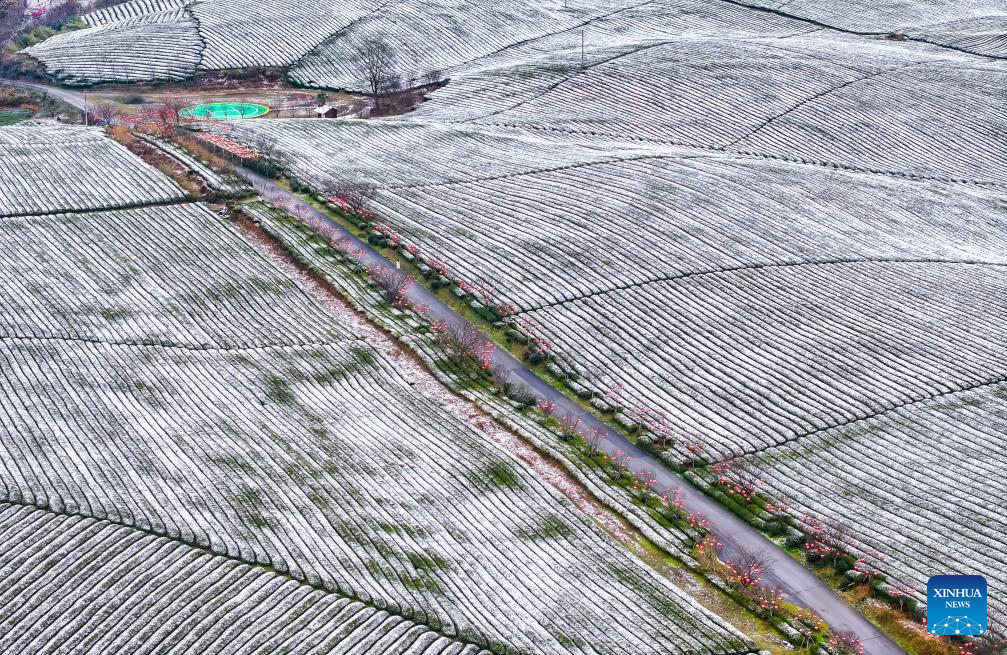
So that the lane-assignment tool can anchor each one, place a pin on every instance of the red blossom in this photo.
(229, 145)
(547, 407)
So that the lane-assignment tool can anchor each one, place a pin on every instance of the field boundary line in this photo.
(747, 267)
(265, 568)
(536, 171)
(324, 42)
(100, 210)
(187, 8)
(844, 30)
(573, 28)
(176, 346)
(849, 168)
(965, 389)
(766, 123)
(641, 47)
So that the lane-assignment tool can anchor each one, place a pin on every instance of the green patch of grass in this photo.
(374, 568)
(663, 603)
(319, 501)
(251, 499)
(278, 390)
(420, 583)
(566, 641)
(552, 527)
(498, 474)
(12, 116)
(235, 463)
(364, 355)
(113, 314)
(43, 32)
(222, 291)
(330, 376)
(428, 562)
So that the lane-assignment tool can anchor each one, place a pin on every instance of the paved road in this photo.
(69, 96)
(799, 585)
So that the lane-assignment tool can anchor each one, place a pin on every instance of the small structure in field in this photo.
(329, 111)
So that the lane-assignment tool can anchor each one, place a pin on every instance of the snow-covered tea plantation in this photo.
(172, 39)
(942, 461)
(123, 590)
(201, 457)
(770, 230)
(49, 169)
(766, 237)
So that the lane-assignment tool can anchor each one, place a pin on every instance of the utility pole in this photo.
(85, 109)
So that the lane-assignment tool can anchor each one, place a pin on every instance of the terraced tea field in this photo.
(128, 591)
(751, 239)
(200, 456)
(942, 455)
(43, 166)
(774, 230)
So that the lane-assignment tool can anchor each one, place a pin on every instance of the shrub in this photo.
(520, 393)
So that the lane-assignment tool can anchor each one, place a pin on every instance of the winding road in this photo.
(69, 96)
(799, 585)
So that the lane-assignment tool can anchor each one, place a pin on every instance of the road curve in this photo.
(799, 585)
(69, 96)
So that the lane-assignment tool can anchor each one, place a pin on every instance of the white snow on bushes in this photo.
(940, 499)
(56, 168)
(321, 40)
(131, 9)
(762, 229)
(126, 591)
(158, 46)
(163, 377)
(256, 33)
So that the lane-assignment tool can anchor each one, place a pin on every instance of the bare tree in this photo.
(390, 281)
(749, 567)
(356, 195)
(11, 14)
(59, 14)
(463, 343)
(846, 643)
(836, 536)
(432, 77)
(172, 105)
(375, 63)
(267, 145)
(593, 439)
(161, 117)
(825, 539)
(500, 376)
(103, 114)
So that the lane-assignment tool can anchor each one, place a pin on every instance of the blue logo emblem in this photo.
(956, 605)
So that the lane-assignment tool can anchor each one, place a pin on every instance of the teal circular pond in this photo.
(224, 111)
